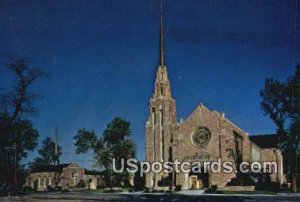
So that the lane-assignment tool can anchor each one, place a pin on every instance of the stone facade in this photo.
(206, 135)
(62, 176)
(167, 140)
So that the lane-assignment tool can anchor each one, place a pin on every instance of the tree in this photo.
(115, 142)
(47, 154)
(19, 101)
(17, 134)
(281, 102)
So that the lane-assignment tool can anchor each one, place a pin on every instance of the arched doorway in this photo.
(198, 180)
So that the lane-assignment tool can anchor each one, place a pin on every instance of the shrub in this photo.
(165, 182)
(131, 189)
(178, 188)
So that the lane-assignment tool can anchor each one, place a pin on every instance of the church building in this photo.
(206, 135)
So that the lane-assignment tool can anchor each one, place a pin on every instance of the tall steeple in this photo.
(161, 52)
(161, 125)
(56, 158)
(162, 83)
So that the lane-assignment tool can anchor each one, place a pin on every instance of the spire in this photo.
(56, 141)
(161, 62)
(162, 84)
(56, 160)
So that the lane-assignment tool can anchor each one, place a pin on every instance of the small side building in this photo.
(64, 177)
(264, 149)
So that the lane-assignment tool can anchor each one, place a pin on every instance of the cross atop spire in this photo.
(161, 62)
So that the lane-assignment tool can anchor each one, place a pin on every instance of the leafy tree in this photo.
(47, 154)
(281, 102)
(17, 134)
(115, 142)
(85, 140)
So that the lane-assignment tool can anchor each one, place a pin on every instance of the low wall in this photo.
(237, 188)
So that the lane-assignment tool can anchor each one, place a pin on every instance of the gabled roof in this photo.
(265, 141)
(49, 168)
(201, 108)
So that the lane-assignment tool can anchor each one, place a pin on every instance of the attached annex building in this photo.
(206, 135)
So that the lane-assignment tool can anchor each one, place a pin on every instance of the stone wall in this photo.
(221, 145)
(274, 155)
(71, 176)
(67, 177)
(43, 180)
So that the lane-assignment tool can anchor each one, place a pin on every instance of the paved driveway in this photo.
(156, 197)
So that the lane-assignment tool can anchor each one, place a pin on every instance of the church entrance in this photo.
(198, 180)
(193, 182)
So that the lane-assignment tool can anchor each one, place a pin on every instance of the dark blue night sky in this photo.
(101, 57)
